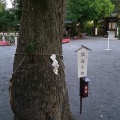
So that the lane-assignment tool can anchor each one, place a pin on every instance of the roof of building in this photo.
(83, 47)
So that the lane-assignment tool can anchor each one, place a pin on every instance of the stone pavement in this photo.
(103, 71)
(6, 62)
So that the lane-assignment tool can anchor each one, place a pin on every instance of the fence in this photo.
(10, 37)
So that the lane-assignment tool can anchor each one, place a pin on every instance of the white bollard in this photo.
(96, 31)
(17, 34)
(3, 38)
(13, 34)
(108, 45)
(15, 38)
(5, 34)
(1, 34)
(117, 31)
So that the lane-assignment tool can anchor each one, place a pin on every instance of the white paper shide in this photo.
(55, 64)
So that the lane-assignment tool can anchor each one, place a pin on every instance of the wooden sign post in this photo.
(82, 72)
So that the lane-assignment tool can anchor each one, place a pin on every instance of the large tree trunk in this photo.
(36, 92)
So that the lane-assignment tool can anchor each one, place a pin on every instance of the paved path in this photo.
(103, 102)
(6, 62)
(103, 71)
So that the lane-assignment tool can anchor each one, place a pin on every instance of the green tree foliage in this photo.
(17, 5)
(2, 5)
(117, 4)
(8, 20)
(86, 10)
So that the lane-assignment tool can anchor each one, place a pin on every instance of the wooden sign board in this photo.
(82, 61)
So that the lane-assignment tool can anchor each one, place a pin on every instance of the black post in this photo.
(80, 98)
(80, 105)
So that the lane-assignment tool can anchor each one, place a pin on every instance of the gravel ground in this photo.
(103, 71)
(6, 62)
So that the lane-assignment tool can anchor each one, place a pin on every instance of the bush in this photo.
(88, 27)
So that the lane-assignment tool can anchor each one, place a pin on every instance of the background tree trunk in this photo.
(36, 92)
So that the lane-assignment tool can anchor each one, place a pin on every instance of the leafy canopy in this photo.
(117, 4)
(86, 10)
(17, 5)
(8, 20)
(2, 5)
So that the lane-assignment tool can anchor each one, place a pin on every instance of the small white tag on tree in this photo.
(55, 64)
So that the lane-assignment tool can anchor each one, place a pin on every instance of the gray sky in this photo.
(9, 5)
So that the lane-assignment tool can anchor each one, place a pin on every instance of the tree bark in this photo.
(36, 92)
